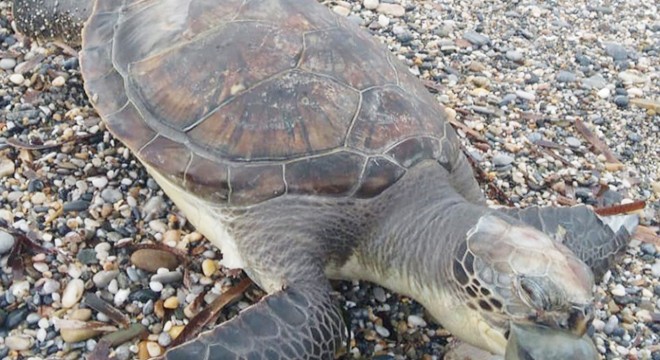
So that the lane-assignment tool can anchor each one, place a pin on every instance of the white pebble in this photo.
(153, 349)
(383, 20)
(59, 81)
(40, 267)
(604, 93)
(19, 342)
(618, 290)
(17, 79)
(382, 331)
(416, 321)
(121, 296)
(41, 334)
(72, 293)
(370, 4)
(20, 289)
(99, 182)
(156, 286)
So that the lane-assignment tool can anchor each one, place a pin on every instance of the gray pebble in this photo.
(648, 248)
(621, 101)
(573, 142)
(33, 318)
(596, 82)
(87, 256)
(616, 51)
(502, 160)
(476, 38)
(111, 195)
(514, 55)
(103, 278)
(379, 294)
(7, 63)
(16, 317)
(164, 339)
(78, 205)
(566, 76)
(168, 277)
(6, 242)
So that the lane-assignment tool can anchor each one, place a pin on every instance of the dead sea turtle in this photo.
(301, 148)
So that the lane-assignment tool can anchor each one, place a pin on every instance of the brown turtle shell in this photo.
(241, 101)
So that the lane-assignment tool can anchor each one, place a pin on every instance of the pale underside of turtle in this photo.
(298, 145)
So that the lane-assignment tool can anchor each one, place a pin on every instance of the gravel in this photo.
(518, 74)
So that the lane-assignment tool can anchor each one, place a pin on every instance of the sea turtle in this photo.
(305, 151)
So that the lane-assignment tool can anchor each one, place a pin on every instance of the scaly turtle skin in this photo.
(299, 146)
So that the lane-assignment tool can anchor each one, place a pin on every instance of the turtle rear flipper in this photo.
(299, 322)
(62, 19)
(594, 239)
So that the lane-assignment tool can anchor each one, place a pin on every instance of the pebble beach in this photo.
(556, 102)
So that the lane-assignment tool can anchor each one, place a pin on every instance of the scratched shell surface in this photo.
(239, 102)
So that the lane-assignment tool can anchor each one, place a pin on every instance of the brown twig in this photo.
(620, 209)
(597, 143)
(211, 312)
(25, 146)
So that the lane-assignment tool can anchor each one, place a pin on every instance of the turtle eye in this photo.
(533, 293)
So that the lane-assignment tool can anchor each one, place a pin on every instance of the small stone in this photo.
(6, 242)
(573, 142)
(121, 296)
(164, 339)
(502, 160)
(7, 63)
(616, 51)
(598, 324)
(209, 267)
(111, 195)
(416, 321)
(16, 317)
(19, 342)
(100, 182)
(370, 4)
(87, 256)
(77, 335)
(395, 10)
(171, 303)
(154, 349)
(618, 290)
(383, 21)
(514, 55)
(152, 259)
(103, 278)
(566, 76)
(644, 316)
(59, 81)
(6, 167)
(648, 248)
(595, 82)
(175, 331)
(121, 336)
(525, 95)
(73, 293)
(603, 93)
(476, 38)
(382, 331)
(340, 10)
(156, 286)
(621, 101)
(16, 79)
(82, 314)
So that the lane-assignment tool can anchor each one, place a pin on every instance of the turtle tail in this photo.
(52, 19)
(596, 240)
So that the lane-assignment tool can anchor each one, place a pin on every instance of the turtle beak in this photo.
(539, 342)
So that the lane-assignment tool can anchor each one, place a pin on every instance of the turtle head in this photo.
(523, 287)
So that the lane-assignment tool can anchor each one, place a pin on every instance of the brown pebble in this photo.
(159, 309)
(76, 335)
(153, 259)
(171, 303)
(143, 352)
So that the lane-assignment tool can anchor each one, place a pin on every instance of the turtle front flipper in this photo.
(299, 322)
(594, 239)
